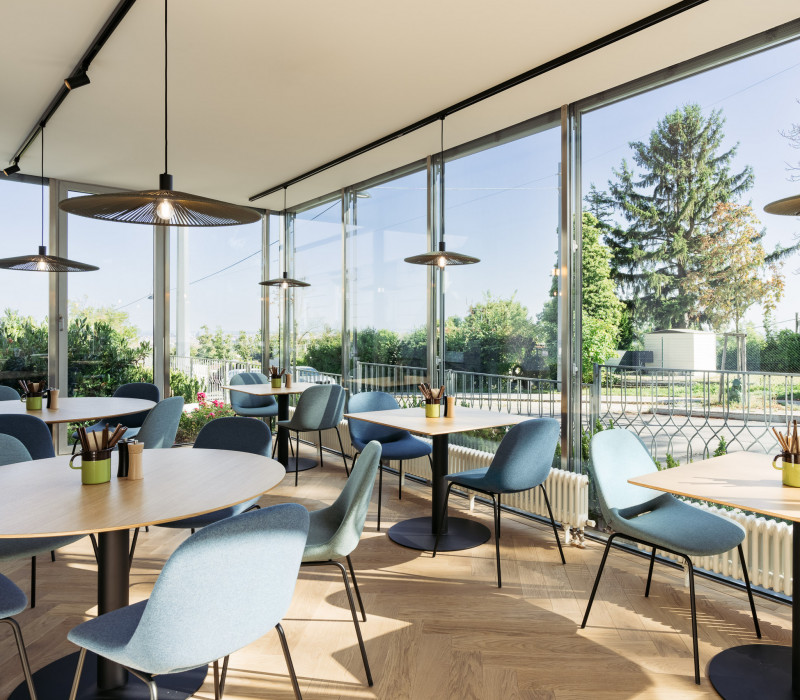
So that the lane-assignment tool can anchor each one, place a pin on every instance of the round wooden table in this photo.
(45, 497)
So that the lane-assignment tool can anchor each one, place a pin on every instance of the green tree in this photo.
(684, 173)
(324, 352)
(248, 347)
(216, 344)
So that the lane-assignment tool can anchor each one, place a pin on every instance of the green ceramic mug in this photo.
(433, 410)
(276, 382)
(33, 402)
(95, 466)
(790, 467)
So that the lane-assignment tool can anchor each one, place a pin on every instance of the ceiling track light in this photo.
(76, 80)
(164, 206)
(11, 169)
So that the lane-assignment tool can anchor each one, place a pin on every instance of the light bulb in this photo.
(40, 265)
(285, 285)
(165, 210)
(442, 261)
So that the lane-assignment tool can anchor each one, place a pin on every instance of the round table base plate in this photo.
(461, 534)
(753, 671)
(304, 464)
(55, 681)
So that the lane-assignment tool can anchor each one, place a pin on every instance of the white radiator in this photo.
(767, 550)
(568, 492)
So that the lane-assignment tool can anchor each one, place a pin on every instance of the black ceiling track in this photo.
(592, 46)
(82, 66)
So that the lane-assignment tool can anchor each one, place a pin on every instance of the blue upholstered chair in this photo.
(222, 589)
(8, 394)
(13, 602)
(237, 434)
(522, 461)
(134, 421)
(335, 531)
(31, 432)
(396, 444)
(249, 405)
(655, 519)
(11, 452)
(319, 408)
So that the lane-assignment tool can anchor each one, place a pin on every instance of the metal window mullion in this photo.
(58, 302)
(347, 205)
(161, 240)
(264, 291)
(288, 307)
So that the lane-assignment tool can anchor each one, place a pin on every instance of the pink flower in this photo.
(211, 414)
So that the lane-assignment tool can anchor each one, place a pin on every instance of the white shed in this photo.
(680, 348)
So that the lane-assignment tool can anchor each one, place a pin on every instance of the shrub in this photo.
(192, 422)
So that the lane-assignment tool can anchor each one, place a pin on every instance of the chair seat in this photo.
(198, 521)
(12, 599)
(33, 546)
(477, 479)
(257, 412)
(320, 545)
(407, 447)
(681, 527)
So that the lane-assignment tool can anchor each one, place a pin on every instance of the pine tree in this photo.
(683, 176)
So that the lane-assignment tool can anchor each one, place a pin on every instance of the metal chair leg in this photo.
(52, 555)
(33, 582)
(289, 664)
(444, 512)
(133, 547)
(341, 447)
(319, 443)
(224, 675)
(496, 513)
(380, 492)
(217, 695)
(296, 459)
(93, 540)
(749, 592)
(355, 621)
(81, 658)
(650, 573)
(147, 680)
(694, 622)
(400, 483)
(23, 656)
(355, 585)
(553, 523)
(597, 579)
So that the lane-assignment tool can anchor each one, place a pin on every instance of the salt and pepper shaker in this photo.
(124, 460)
(449, 407)
(135, 460)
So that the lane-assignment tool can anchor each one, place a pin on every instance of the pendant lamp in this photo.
(789, 206)
(42, 262)
(164, 206)
(284, 282)
(442, 257)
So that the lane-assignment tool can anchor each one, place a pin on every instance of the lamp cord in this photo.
(441, 178)
(166, 168)
(42, 132)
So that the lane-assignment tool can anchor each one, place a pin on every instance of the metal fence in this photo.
(211, 374)
(689, 414)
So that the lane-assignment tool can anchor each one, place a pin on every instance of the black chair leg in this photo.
(52, 555)
(400, 483)
(224, 675)
(296, 459)
(319, 442)
(33, 582)
(93, 540)
(749, 592)
(355, 585)
(23, 656)
(694, 622)
(444, 512)
(380, 492)
(597, 580)
(217, 694)
(133, 547)
(289, 664)
(650, 573)
(341, 447)
(553, 523)
(355, 621)
(496, 509)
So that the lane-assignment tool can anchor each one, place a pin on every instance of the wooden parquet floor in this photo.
(437, 628)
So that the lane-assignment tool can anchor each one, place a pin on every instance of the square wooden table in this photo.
(457, 533)
(745, 480)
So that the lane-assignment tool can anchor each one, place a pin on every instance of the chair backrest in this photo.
(31, 432)
(617, 455)
(525, 455)
(8, 394)
(136, 390)
(361, 431)
(224, 587)
(241, 400)
(12, 450)
(351, 506)
(161, 425)
(238, 434)
(320, 407)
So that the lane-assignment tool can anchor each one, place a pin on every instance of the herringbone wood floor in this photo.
(438, 628)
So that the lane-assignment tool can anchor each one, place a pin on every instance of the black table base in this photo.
(753, 671)
(417, 533)
(55, 681)
(303, 464)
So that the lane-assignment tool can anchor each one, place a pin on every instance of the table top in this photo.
(46, 497)
(743, 480)
(267, 390)
(74, 409)
(414, 420)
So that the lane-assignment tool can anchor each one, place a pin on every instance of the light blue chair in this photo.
(522, 462)
(655, 519)
(335, 531)
(134, 421)
(249, 405)
(223, 588)
(8, 394)
(237, 434)
(13, 602)
(32, 432)
(319, 408)
(12, 451)
(395, 444)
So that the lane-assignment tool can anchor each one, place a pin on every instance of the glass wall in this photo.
(316, 257)
(23, 295)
